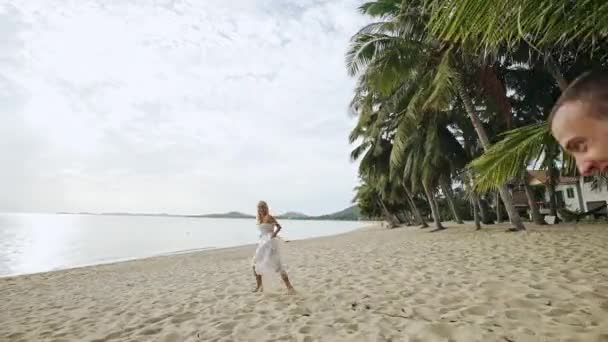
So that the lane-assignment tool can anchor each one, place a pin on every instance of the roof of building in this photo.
(541, 177)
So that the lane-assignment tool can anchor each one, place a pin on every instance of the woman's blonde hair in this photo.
(261, 205)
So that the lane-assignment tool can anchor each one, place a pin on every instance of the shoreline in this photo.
(548, 283)
(170, 254)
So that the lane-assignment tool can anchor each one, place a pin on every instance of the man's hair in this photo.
(591, 88)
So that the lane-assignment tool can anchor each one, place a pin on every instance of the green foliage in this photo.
(505, 160)
(549, 25)
(421, 61)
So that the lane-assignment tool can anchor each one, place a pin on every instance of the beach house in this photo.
(573, 193)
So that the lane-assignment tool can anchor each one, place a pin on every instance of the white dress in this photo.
(267, 258)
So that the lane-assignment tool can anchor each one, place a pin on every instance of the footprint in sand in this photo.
(558, 312)
(539, 286)
(522, 315)
(151, 331)
(181, 318)
(113, 335)
(305, 330)
(520, 303)
(173, 337)
(15, 336)
(451, 300)
(272, 327)
(477, 310)
(341, 321)
(226, 326)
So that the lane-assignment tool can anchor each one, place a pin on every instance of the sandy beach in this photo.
(406, 284)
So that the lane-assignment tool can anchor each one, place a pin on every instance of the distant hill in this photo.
(293, 215)
(232, 214)
(349, 214)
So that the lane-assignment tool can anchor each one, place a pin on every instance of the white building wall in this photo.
(571, 203)
(592, 196)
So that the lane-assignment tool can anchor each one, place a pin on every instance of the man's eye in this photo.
(577, 147)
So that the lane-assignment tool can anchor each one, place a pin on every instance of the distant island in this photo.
(349, 214)
(232, 214)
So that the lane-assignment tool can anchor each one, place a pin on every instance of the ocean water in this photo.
(32, 243)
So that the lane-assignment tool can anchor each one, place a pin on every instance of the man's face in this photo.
(585, 136)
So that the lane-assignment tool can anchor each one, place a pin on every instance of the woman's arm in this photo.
(277, 225)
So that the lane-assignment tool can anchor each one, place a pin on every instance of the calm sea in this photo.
(32, 243)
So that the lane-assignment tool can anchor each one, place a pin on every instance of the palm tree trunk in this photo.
(433, 204)
(405, 218)
(498, 207)
(552, 199)
(388, 217)
(447, 191)
(398, 218)
(536, 216)
(483, 214)
(497, 92)
(414, 208)
(476, 214)
(485, 142)
(468, 183)
(551, 181)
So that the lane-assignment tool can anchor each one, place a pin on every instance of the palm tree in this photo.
(446, 188)
(366, 198)
(418, 162)
(559, 36)
(373, 150)
(397, 58)
(413, 207)
(427, 154)
(375, 173)
(535, 213)
(474, 199)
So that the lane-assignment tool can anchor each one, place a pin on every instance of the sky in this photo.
(181, 107)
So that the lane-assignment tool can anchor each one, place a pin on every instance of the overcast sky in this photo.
(175, 106)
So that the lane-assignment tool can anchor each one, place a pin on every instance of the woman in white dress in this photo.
(267, 258)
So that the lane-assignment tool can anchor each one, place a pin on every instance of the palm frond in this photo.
(442, 85)
(358, 151)
(505, 159)
(599, 181)
(381, 8)
(547, 25)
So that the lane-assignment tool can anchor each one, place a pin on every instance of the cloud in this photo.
(175, 106)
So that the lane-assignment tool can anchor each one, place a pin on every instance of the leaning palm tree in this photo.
(373, 148)
(446, 188)
(365, 199)
(422, 158)
(372, 169)
(443, 153)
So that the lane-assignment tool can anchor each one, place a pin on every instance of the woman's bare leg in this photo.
(285, 278)
(258, 281)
